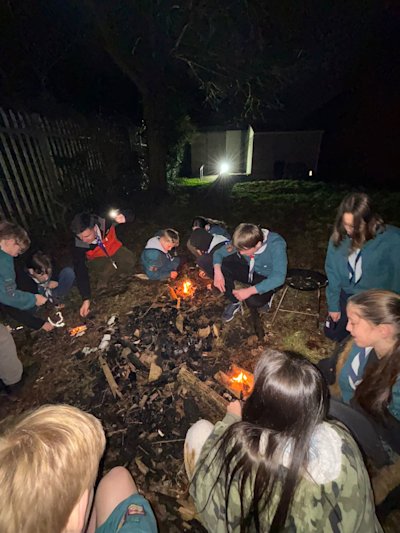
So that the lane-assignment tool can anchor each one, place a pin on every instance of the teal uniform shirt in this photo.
(9, 294)
(380, 266)
(270, 261)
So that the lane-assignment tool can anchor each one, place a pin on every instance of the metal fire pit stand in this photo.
(302, 280)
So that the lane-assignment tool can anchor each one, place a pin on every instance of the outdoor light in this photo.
(113, 213)
(310, 173)
(224, 167)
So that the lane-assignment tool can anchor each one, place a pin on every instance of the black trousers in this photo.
(234, 268)
(205, 262)
(337, 330)
(368, 435)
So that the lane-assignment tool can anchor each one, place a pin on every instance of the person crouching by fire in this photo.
(158, 259)
(206, 244)
(256, 257)
(97, 249)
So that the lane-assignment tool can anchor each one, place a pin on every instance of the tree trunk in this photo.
(157, 143)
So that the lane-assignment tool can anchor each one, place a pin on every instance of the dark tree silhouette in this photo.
(246, 56)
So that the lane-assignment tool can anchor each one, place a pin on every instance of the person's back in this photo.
(334, 494)
(279, 465)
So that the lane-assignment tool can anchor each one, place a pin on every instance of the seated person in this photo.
(50, 459)
(37, 277)
(206, 245)
(13, 241)
(366, 374)
(157, 261)
(214, 227)
(256, 257)
(10, 366)
(278, 464)
(97, 245)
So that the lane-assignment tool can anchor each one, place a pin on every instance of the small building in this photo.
(262, 155)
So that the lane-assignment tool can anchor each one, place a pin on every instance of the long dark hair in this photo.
(367, 223)
(288, 400)
(375, 391)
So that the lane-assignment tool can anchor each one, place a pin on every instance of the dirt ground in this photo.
(146, 425)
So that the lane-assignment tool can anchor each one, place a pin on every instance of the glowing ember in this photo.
(78, 331)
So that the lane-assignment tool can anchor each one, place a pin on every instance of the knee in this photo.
(198, 433)
(255, 301)
(119, 476)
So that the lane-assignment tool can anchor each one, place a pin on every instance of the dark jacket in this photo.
(81, 248)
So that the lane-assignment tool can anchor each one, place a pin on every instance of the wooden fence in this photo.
(44, 162)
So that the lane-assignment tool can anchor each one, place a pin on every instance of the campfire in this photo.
(238, 381)
(185, 290)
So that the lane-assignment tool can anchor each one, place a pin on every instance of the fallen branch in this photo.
(132, 357)
(167, 441)
(110, 378)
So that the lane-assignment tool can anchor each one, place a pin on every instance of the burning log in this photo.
(211, 402)
(238, 381)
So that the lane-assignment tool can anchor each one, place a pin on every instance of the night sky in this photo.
(53, 61)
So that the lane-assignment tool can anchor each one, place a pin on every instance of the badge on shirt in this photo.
(135, 509)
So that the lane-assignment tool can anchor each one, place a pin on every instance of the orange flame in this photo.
(186, 287)
(241, 378)
(75, 331)
(185, 290)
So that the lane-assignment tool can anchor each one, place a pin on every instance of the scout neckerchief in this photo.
(252, 263)
(251, 268)
(100, 243)
(357, 367)
(45, 286)
(354, 266)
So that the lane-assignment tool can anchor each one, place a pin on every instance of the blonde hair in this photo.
(171, 235)
(48, 458)
(9, 230)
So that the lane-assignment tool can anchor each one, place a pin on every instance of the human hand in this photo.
(235, 408)
(85, 308)
(174, 274)
(243, 294)
(47, 326)
(219, 279)
(335, 316)
(40, 300)
(53, 284)
(120, 219)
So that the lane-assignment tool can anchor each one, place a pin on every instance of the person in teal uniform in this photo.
(50, 458)
(158, 259)
(363, 253)
(365, 375)
(256, 257)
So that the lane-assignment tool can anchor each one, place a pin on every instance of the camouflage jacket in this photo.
(334, 496)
